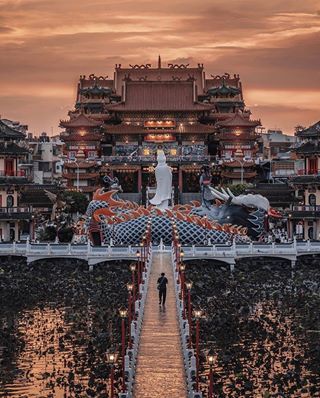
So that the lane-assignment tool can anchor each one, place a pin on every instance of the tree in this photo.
(76, 201)
(65, 234)
(237, 189)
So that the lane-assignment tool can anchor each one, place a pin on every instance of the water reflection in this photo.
(261, 327)
(54, 344)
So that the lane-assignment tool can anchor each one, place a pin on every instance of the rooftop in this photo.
(159, 96)
(7, 132)
(239, 120)
(308, 148)
(80, 120)
(312, 131)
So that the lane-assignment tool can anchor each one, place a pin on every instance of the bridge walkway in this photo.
(160, 371)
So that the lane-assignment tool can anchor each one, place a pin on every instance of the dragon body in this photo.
(124, 222)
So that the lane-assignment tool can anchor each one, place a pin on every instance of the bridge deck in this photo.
(160, 371)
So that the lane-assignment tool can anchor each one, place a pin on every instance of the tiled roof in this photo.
(312, 131)
(237, 164)
(78, 137)
(308, 147)
(232, 174)
(9, 132)
(239, 120)
(159, 96)
(10, 148)
(80, 121)
(81, 165)
(307, 179)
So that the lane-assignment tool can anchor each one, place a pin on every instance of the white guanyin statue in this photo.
(164, 182)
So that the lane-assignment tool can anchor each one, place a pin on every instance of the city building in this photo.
(276, 144)
(304, 217)
(82, 151)
(45, 159)
(14, 218)
(118, 124)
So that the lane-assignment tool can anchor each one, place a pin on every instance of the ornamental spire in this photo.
(159, 62)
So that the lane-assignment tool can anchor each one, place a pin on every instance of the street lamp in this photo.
(138, 255)
(210, 360)
(189, 287)
(133, 270)
(182, 270)
(197, 315)
(111, 359)
(130, 290)
(123, 314)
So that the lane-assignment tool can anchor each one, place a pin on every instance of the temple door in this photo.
(9, 167)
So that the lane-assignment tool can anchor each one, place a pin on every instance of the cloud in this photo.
(273, 45)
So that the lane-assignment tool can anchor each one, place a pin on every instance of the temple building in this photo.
(304, 217)
(14, 218)
(119, 123)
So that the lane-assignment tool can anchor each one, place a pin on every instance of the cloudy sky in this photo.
(273, 44)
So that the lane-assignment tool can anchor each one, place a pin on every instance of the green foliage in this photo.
(76, 201)
(237, 189)
(65, 234)
(47, 234)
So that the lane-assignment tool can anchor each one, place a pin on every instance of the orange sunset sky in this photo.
(46, 44)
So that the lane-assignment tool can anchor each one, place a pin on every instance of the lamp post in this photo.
(111, 359)
(130, 290)
(123, 314)
(133, 270)
(182, 270)
(181, 254)
(189, 287)
(138, 255)
(210, 360)
(197, 315)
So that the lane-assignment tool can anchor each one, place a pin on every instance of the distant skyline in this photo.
(273, 45)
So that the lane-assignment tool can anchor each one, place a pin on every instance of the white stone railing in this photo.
(135, 329)
(99, 253)
(85, 251)
(189, 358)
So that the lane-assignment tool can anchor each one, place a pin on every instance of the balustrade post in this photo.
(14, 246)
(48, 248)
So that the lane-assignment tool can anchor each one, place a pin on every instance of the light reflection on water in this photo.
(50, 364)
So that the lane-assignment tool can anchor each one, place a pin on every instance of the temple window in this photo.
(10, 201)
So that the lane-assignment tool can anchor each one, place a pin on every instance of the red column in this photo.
(123, 353)
(129, 318)
(197, 352)
(180, 180)
(112, 381)
(189, 318)
(139, 180)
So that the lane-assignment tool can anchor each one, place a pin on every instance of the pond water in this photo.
(56, 323)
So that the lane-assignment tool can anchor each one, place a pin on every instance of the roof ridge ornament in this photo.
(178, 66)
(142, 66)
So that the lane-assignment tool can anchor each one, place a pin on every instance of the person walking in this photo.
(162, 287)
